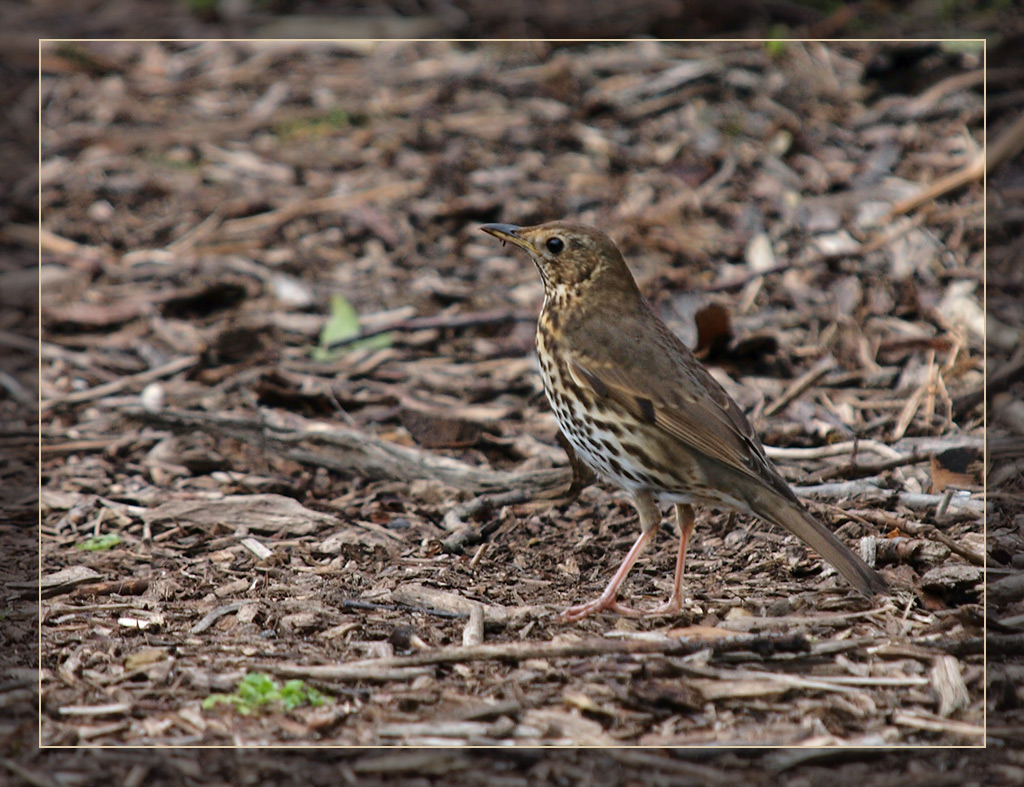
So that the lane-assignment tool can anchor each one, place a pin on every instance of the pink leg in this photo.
(686, 521)
(607, 599)
(650, 520)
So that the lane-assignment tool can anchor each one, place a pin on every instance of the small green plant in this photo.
(99, 543)
(257, 690)
(341, 325)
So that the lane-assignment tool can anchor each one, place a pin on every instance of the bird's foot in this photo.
(670, 608)
(580, 611)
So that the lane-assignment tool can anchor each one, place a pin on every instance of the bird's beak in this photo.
(510, 233)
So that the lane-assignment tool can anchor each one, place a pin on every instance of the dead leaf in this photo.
(957, 467)
(714, 330)
(438, 431)
(63, 581)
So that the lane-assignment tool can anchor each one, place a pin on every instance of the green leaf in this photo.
(342, 324)
(776, 45)
(98, 543)
(318, 126)
(257, 690)
(216, 699)
(295, 693)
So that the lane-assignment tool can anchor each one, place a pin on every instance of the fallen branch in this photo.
(348, 450)
(520, 651)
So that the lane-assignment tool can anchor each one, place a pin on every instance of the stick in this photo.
(968, 507)
(120, 384)
(251, 227)
(999, 381)
(1003, 148)
(924, 530)
(464, 534)
(520, 651)
(854, 470)
(213, 616)
(832, 449)
(801, 384)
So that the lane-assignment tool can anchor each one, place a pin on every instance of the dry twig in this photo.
(520, 651)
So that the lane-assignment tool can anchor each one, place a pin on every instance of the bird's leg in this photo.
(686, 520)
(650, 521)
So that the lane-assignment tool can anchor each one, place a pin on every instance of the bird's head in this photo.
(573, 259)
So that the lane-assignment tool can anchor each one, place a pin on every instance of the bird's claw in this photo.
(670, 608)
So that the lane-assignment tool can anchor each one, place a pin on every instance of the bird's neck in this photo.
(558, 298)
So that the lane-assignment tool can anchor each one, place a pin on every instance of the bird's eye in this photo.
(555, 245)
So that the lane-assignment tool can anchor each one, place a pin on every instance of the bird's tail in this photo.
(794, 518)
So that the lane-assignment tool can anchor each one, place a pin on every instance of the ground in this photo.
(388, 521)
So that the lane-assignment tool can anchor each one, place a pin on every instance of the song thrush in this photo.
(640, 409)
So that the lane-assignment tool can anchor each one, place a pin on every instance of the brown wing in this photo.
(710, 424)
(714, 426)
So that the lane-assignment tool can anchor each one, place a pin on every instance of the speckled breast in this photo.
(599, 437)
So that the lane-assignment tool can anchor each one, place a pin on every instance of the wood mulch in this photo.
(388, 521)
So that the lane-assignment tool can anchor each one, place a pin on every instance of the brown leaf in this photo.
(957, 467)
(672, 694)
(714, 330)
(438, 431)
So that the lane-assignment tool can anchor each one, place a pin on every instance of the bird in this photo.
(641, 410)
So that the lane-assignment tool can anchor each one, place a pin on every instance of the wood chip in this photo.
(267, 513)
